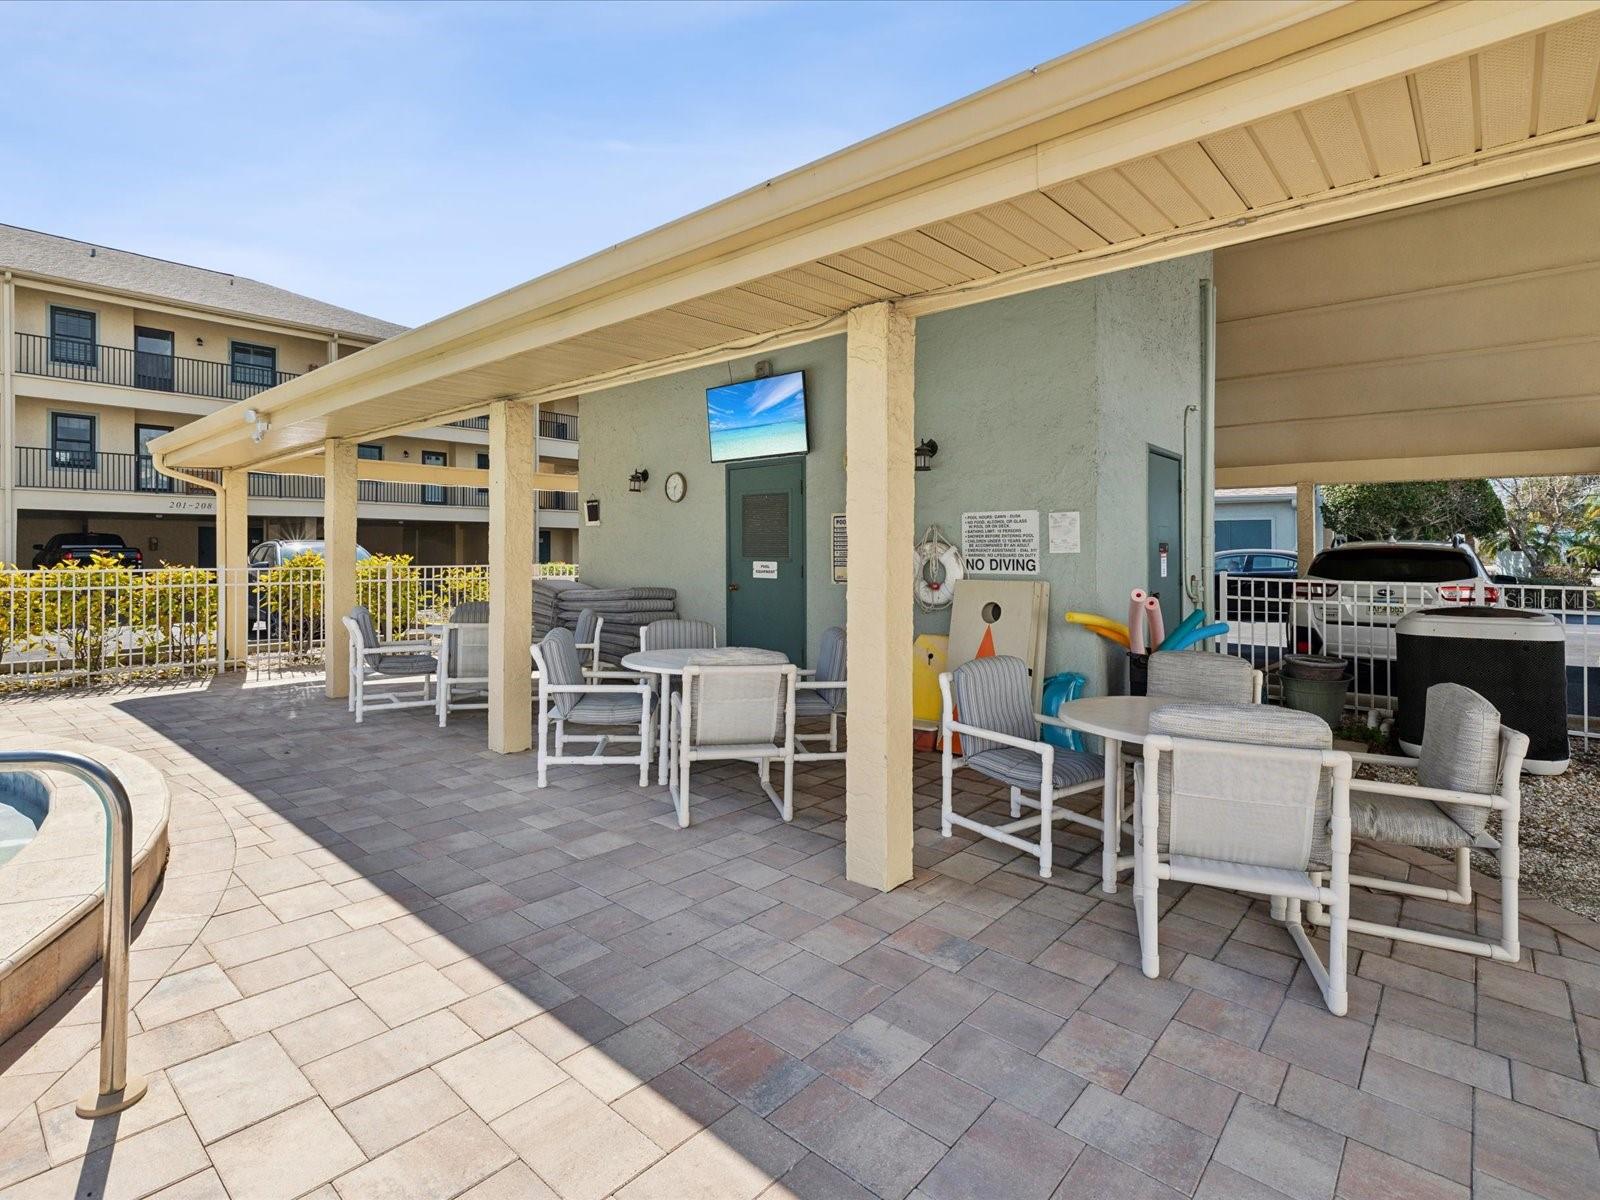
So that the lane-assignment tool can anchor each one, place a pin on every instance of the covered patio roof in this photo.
(1205, 127)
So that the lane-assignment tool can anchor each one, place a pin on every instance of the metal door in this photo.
(766, 540)
(1164, 501)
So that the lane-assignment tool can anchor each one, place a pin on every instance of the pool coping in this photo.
(55, 890)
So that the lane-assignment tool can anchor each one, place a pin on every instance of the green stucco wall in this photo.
(1048, 401)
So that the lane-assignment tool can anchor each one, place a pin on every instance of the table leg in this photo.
(664, 702)
(1110, 815)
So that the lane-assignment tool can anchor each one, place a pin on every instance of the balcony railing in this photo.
(110, 471)
(563, 427)
(61, 358)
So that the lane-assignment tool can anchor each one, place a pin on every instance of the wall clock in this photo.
(677, 486)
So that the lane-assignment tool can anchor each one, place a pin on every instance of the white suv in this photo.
(1371, 585)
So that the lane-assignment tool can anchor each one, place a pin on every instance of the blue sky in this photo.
(406, 159)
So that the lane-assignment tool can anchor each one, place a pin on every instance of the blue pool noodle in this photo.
(1198, 635)
(1174, 640)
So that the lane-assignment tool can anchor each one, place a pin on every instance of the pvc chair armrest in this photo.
(1437, 795)
(1047, 719)
(821, 685)
(1005, 739)
(802, 671)
(390, 648)
(1384, 760)
(604, 674)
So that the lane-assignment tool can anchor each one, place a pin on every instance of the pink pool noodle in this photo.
(1136, 638)
(1158, 630)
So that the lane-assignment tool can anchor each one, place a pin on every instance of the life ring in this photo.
(936, 588)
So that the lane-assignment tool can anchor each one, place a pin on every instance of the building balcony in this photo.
(80, 362)
(111, 471)
(555, 427)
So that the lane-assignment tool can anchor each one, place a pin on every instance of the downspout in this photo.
(220, 517)
(1208, 448)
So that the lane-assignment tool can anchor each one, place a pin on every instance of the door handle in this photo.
(733, 587)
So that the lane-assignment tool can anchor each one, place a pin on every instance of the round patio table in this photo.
(668, 664)
(1119, 720)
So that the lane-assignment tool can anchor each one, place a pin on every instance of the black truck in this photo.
(81, 547)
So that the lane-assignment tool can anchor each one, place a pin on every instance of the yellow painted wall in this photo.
(1435, 341)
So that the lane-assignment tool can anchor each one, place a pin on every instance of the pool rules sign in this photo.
(1000, 543)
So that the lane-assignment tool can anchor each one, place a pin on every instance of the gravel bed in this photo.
(1559, 834)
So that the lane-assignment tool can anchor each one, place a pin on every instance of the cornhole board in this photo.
(1010, 617)
(929, 654)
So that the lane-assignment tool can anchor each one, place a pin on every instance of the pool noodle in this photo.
(1136, 639)
(1202, 634)
(1152, 614)
(1191, 622)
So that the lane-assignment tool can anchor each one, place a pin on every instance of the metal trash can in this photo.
(1515, 660)
(1315, 683)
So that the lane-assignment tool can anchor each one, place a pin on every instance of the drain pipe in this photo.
(1208, 449)
(220, 516)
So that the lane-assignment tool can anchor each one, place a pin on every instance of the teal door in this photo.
(767, 556)
(1164, 498)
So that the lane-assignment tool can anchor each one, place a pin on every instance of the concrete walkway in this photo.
(383, 964)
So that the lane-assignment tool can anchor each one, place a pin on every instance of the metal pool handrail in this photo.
(117, 1091)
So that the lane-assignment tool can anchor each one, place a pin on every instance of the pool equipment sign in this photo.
(1000, 543)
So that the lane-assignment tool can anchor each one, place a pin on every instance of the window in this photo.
(256, 366)
(71, 440)
(1241, 534)
(483, 465)
(72, 336)
(370, 451)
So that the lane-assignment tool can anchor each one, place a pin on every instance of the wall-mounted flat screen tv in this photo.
(760, 418)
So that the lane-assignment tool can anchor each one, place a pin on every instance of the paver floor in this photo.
(384, 964)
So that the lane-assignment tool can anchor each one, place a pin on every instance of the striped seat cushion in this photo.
(1201, 676)
(597, 708)
(1404, 821)
(1021, 768)
(403, 664)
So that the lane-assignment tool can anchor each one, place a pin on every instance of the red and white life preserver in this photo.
(937, 567)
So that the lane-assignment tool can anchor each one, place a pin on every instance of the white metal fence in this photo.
(1355, 620)
(86, 624)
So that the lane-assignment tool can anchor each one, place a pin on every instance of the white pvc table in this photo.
(1119, 721)
(669, 664)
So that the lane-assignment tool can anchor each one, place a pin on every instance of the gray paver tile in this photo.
(868, 1055)
(1294, 1156)
(1005, 1153)
(575, 1143)
(752, 1070)
(254, 1166)
(1039, 1088)
(935, 1102)
(1544, 1154)
(1174, 1153)
(735, 1159)
(381, 1120)
(443, 1161)
(238, 1085)
(868, 1143)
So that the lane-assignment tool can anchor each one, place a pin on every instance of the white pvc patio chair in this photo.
(1470, 766)
(676, 633)
(821, 693)
(999, 730)
(568, 695)
(734, 713)
(1252, 799)
(464, 662)
(586, 635)
(389, 666)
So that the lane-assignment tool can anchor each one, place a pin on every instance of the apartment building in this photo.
(102, 350)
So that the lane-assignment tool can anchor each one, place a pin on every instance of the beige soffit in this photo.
(1207, 126)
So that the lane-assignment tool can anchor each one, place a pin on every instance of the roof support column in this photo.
(880, 495)
(339, 497)
(9, 549)
(233, 562)
(511, 559)
(1305, 520)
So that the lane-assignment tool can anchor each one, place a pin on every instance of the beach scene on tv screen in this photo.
(759, 418)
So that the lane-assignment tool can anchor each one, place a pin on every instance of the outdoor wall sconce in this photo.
(925, 451)
(591, 511)
(638, 479)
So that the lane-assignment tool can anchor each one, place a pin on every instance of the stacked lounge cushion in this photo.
(625, 611)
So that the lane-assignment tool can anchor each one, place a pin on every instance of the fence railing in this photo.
(88, 362)
(97, 623)
(1355, 620)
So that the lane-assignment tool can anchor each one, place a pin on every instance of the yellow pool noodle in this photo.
(1094, 620)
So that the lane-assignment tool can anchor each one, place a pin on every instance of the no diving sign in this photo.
(1000, 543)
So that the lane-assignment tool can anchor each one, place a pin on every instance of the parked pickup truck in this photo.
(81, 547)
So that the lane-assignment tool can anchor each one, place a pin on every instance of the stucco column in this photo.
(1305, 520)
(8, 420)
(511, 558)
(339, 496)
(879, 509)
(233, 554)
